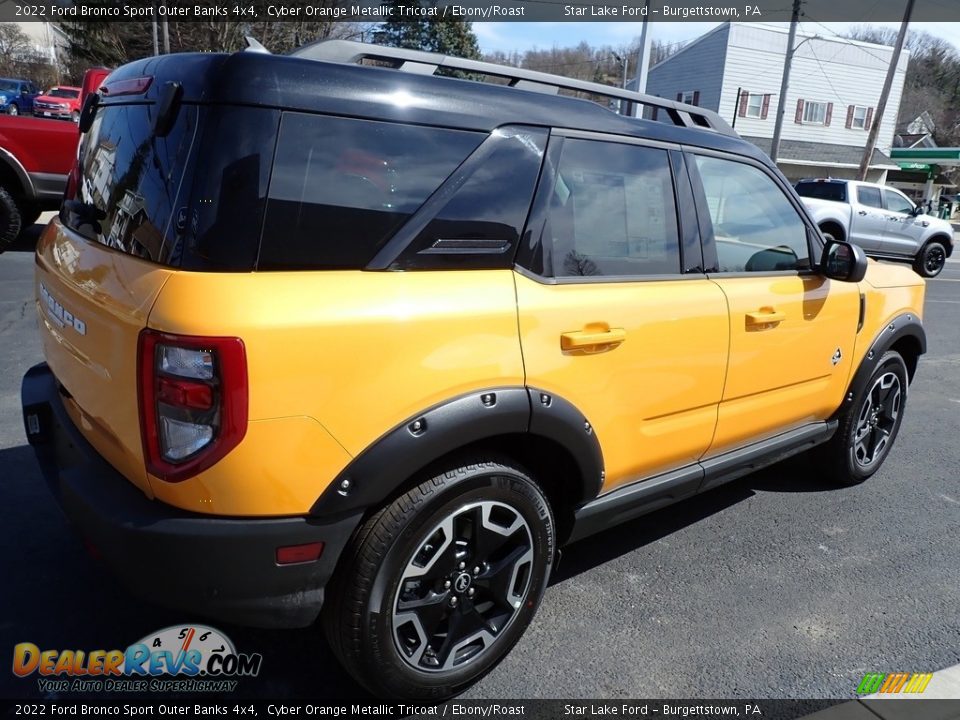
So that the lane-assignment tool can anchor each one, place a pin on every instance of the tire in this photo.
(10, 223)
(29, 213)
(449, 537)
(931, 259)
(869, 425)
(12, 109)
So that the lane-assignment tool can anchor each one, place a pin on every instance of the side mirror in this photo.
(843, 261)
(919, 209)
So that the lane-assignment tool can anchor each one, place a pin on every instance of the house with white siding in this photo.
(835, 86)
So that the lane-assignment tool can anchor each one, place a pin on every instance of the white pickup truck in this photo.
(881, 220)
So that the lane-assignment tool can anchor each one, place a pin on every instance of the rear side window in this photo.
(131, 181)
(612, 213)
(869, 196)
(340, 187)
(823, 190)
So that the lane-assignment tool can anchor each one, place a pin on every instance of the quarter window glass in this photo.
(340, 188)
(480, 224)
(612, 212)
(869, 196)
(755, 227)
(896, 202)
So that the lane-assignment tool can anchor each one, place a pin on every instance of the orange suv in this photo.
(370, 343)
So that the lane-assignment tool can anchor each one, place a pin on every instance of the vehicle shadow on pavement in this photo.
(62, 597)
(795, 475)
(27, 240)
(58, 596)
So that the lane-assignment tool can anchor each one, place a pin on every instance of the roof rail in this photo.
(425, 63)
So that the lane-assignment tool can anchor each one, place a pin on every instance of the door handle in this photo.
(764, 316)
(861, 212)
(593, 339)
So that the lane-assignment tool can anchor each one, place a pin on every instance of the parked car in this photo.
(16, 96)
(61, 102)
(333, 338)
(880, 219)
(35, 159)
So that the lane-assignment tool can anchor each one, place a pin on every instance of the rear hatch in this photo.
(102, 264)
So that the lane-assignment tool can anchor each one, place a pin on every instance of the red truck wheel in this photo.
(9, 220)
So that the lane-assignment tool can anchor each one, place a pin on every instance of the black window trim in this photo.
(537, 219)
(394, 248)
(710, 259)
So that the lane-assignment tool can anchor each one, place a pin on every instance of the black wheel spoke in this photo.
(430, 611)
(498, 578)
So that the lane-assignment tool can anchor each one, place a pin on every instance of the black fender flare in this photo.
(381, 469)
(905, 325)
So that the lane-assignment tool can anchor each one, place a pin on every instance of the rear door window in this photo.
(612, 213)
(132, 180)
(341, 187)
(869, 196)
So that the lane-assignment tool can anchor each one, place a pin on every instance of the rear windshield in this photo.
(823, 190)
(131, 180)
(63, 93)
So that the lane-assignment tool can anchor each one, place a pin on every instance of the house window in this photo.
(859, 120)
(688, 97)
(859, 117)
(815, 113)
(755, 105)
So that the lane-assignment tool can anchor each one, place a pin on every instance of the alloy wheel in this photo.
(936, 257)
(463, 586)
(877, 420)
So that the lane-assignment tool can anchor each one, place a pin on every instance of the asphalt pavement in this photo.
(775, 586)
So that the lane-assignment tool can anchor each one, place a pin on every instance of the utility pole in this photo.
(884, 94)
(784, 82)
(166, 34)
(156, 44)
(643, 54)
(623, 67)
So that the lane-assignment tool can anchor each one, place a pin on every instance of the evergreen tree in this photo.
(447, 36)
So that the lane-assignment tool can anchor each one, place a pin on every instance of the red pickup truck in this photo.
(36, 157)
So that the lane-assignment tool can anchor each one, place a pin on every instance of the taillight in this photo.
(193, 401)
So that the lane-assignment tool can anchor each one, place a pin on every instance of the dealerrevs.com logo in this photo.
(191, 658)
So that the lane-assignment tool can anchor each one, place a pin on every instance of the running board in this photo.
(644, 496)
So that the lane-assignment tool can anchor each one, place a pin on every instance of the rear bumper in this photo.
(219, 567)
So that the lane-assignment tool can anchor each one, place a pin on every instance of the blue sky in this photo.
(509, 36)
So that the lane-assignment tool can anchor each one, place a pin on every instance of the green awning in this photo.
(931, 156)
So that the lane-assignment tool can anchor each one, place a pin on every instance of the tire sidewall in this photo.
(890, 361)
(10, 225)
(501, 484)
(922, 261)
